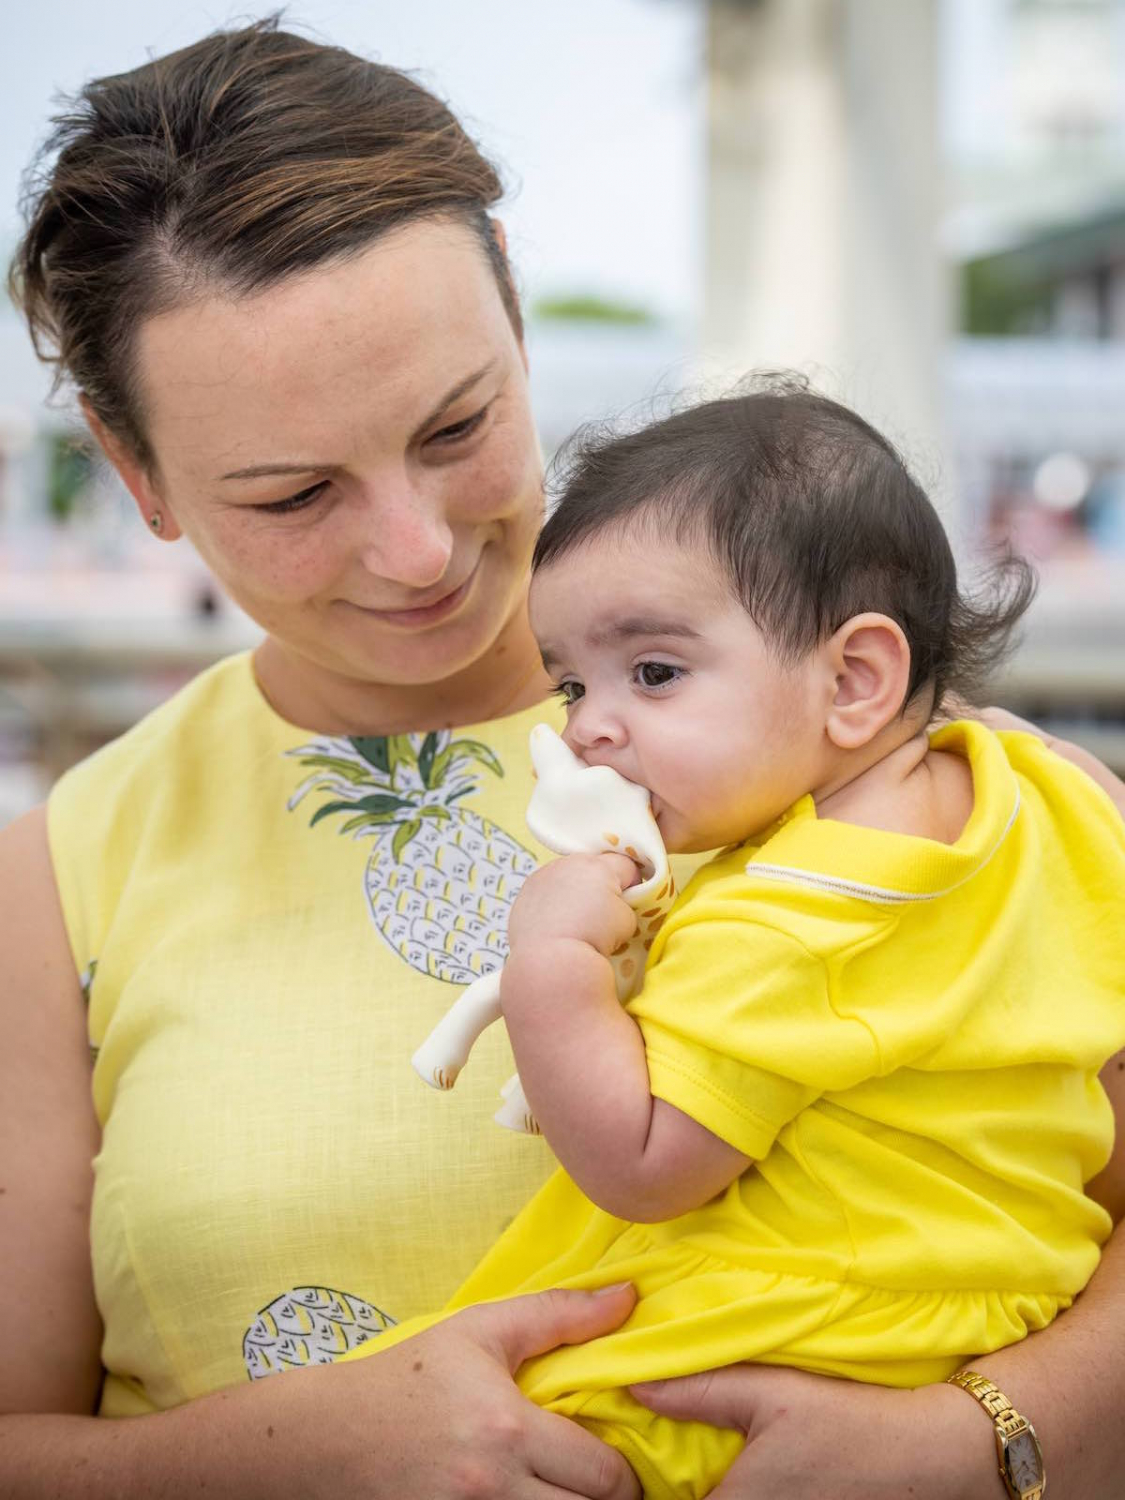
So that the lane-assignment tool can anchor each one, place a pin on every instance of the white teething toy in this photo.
(574, 809)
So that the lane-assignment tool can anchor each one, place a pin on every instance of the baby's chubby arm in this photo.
(581, 1056)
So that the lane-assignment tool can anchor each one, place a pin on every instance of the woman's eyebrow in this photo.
(258, 471)
(456, 392)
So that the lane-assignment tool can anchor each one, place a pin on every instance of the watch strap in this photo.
(1006, 1419)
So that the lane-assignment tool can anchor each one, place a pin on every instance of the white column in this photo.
(823, 205)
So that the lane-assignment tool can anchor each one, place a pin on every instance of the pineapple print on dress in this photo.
(310, 1325)
(441, 878)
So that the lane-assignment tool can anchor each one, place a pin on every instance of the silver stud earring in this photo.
(156, 521)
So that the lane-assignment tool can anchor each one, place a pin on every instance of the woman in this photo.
(269, 269)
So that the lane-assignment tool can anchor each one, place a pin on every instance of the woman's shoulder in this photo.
(158, 773)
(189, 724)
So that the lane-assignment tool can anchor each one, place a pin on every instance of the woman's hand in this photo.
(449, 1423)
(811, 1438)
(437, 1417)
(1113, 786)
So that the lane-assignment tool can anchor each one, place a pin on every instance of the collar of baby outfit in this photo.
(888, 868)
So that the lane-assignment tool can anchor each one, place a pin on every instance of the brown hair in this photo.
(813, 518)
(235, 162)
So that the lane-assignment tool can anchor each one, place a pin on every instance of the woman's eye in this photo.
(293, 502)
(570, 692)
(458, 430)
(656, 674)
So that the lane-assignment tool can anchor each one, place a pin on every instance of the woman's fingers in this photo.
(532, 1452)
(1113, 786)
(722, 1398)
(568, 1457)
(521, 1327)
(814, 1438)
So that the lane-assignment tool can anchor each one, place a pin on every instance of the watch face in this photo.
(1021, 1458)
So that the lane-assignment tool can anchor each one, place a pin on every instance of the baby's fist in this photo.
(579, 897)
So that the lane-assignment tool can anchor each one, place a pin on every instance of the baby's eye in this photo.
(656, 674)
(570, 692)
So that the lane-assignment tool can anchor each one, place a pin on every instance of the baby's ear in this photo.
(870, 660)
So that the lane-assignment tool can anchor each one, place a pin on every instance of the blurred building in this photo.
(921, 204)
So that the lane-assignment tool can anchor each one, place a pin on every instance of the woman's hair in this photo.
(231, 164)
(812, 517)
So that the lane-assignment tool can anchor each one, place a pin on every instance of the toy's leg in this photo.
(446, 1050)
(515, 1112)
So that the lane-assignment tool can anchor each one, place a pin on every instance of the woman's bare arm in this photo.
(437, 1415)
(48, 1137)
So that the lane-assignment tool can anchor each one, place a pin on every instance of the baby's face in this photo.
(668, 680)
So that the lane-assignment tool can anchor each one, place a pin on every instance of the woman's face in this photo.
(352, 452)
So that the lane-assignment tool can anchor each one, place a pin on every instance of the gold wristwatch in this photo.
(1017, 1447)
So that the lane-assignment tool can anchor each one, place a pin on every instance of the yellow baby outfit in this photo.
(274, 1184)
(906, 1037)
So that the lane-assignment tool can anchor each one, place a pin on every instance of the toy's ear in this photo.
(550, 754)
(870, 660)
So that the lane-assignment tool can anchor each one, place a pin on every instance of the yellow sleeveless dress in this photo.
(268, 922)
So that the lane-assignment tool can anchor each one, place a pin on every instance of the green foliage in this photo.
(998, 300)
(70, 466)
(582, 308)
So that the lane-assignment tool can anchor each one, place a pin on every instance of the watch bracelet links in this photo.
(994, 1401)
(1004, 1415)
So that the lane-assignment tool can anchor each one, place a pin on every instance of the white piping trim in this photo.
(873, 892)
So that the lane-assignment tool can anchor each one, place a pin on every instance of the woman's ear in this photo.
(133, 474)
(870, 660)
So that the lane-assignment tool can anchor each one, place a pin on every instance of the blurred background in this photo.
(918, 203)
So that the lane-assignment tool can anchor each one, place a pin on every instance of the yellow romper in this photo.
(906, 1037)
(269, 922)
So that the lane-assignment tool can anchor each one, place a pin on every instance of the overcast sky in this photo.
(593, 108)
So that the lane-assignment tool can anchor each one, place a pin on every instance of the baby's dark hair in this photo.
(812, 516)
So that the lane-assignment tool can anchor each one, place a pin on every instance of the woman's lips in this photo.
(426, 614)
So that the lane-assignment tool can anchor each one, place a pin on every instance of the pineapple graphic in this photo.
(441, 878)
(439, 883)
(309, 1325)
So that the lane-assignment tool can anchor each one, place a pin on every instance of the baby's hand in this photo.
(579, 897)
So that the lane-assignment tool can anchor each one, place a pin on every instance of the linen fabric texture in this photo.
(274, 1184)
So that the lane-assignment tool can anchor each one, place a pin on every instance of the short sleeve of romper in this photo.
(738, 1016)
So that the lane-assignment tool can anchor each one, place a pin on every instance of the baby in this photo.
(846, 1123)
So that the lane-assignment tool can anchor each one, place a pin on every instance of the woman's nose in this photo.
(404, 538)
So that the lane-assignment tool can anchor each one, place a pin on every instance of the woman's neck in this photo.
(508, 677)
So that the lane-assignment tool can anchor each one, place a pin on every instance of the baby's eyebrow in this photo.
(626, 630)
